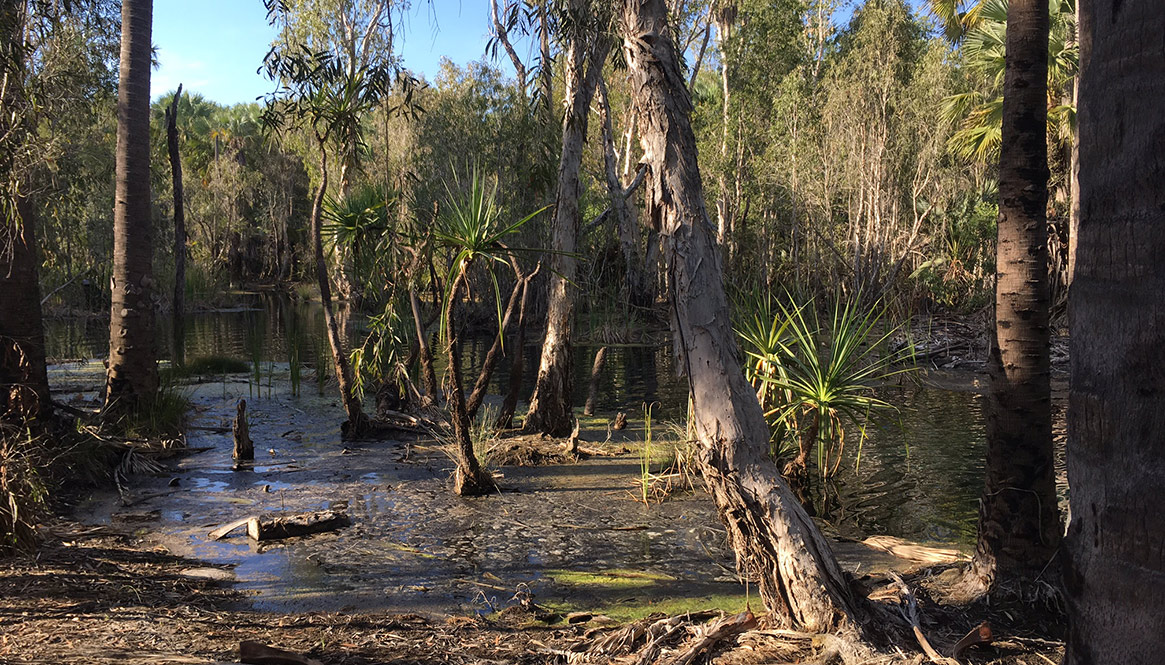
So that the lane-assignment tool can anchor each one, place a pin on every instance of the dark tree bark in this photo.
(132, 376)
(469, 479)
(774, 540)
(1019, 522)
(24, 383)
(1115, 571)
(179, 306)
(552, 403)
(481, 386)
(428, 374)
(518, 365)
(357, 423)
(596, 376)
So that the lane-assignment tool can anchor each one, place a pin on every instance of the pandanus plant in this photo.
(471, 227)
(817, 379)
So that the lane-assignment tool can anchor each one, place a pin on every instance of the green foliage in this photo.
(206, 366)
(816, 379)
(163, 416)
(958, 276)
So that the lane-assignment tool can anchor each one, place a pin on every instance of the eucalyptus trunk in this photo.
(634, 290)
(1019, 522)
(1115, 571)
(551, 406)
(132, 375)
(357, 424)
(775, 541)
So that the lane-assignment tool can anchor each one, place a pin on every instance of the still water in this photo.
(918, 476)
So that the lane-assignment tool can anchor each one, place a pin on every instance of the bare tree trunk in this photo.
(132, 376)
(357, 423)
(596, 376)
(624, 214)
(432, 391)
(470, 479)
(518, 365)
(774, 539)
(178, 310)
(1115, 570)
(552, 404)
(495, 350)
(24, 381)
(1019, 522)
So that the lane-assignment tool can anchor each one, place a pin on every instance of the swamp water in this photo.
(571, 535)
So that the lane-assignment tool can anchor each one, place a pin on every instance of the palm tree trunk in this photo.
(774, 539)
(470, 479)
(179, 305)
(552, 404)
(132, 376)
(1019, 523)
(357, 423)
(1115, 570)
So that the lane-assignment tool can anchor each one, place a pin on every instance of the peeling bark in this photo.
(774, 539)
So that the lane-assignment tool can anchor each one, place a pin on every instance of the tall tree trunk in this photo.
(132, 376)
(518, 365)
(1115, 571)
(24, 383)
(1019, 521)
(774, 539)
(469, 479)
(551, 406)
(357, 423)
(179, 306)
(625, 221)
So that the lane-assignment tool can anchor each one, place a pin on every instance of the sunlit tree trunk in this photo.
(357, 423)
(1019, 521)
(774, 540)
(1115, 572)
(624, 213)
(552, 403)
(132, 376)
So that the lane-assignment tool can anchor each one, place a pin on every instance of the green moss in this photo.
(610, 579)
(637, 608)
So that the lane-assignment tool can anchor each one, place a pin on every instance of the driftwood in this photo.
(620, 421)
(904, 549)
(285, 526)
(910, 612)
(722, 629)
(596, 374)
(244, 447)
(257, 653)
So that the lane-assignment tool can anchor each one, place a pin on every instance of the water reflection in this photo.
(917, 478)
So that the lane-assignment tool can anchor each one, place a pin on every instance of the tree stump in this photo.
(244, 447)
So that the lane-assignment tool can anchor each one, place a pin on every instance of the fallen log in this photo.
(722, 629)
(302, 524)
(269, 527)
(257, 653)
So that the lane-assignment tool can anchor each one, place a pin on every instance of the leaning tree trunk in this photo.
(1115, 572)
(1019, 522)
(132, 376)
(469, 479)
(552, 403)
(774, 539)
(179, 306)
(357, 423)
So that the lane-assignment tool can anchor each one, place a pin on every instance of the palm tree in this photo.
(132, 377)
(978, 113)
(1019, 523)
(774, 539)
(1115, 572)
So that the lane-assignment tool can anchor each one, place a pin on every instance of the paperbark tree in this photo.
(132, 376)
(551, 405)
(1115, 571)
(774, 539)
(1019, 522)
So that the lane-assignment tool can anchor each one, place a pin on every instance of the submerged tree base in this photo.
(473, 483)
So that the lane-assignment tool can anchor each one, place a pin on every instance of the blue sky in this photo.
(214, 47)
